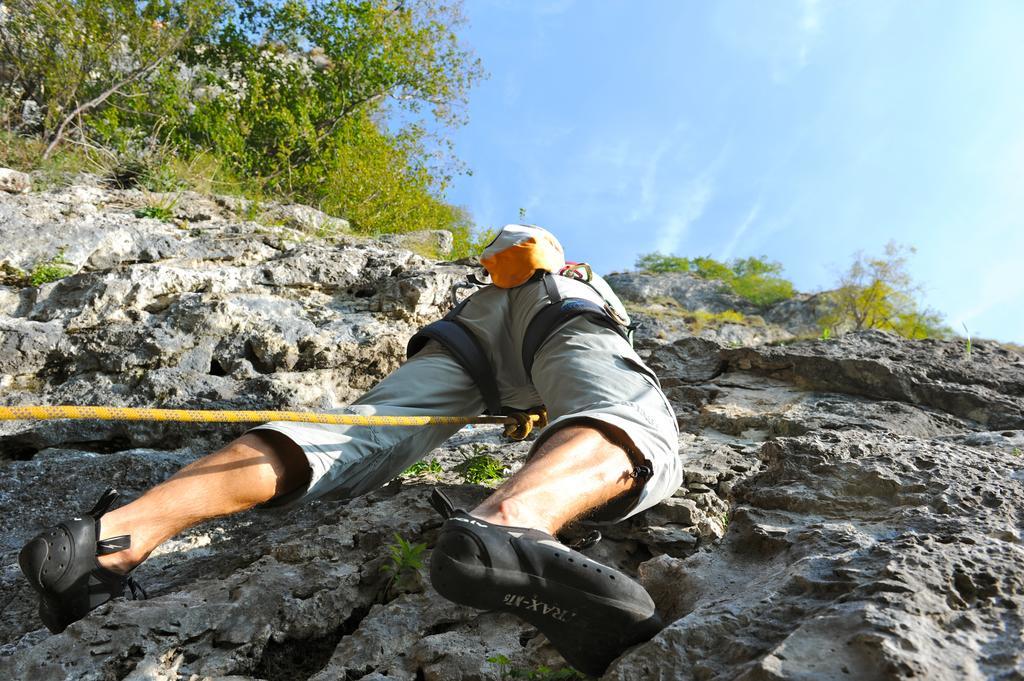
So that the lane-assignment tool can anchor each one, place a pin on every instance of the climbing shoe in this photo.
(60, 564)
(590, 613)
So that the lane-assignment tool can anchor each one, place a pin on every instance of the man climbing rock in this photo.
(542, 332)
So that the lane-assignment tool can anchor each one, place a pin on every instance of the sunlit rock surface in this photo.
(852, 509)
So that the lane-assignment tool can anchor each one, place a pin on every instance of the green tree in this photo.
(756, 280)
(286, 83)
(66, 60)
(877, 292)
(322, 101)
(660, 263)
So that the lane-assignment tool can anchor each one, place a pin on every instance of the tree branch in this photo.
(106, 94)
(348, 111)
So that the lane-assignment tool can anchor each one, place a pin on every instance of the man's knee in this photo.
(587, 435)
(288, 461)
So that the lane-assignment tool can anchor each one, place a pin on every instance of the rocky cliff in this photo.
(852, 508)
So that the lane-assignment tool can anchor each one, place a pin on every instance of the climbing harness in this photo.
(517, 425)
(466, 349)
(560, 310)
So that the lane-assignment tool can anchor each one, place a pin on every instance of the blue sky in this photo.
(804, 131)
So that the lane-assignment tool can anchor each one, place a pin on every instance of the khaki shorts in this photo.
(584, 373)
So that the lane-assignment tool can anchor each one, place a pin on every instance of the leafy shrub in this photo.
(67, 60)
(877, 292)
(762, 290)
(756, 280)
(468, 242)
(659, 263)
(709, 268)
(320, 101)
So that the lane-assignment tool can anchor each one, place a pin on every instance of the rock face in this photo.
(852, 509)
(14, 182)
(669, 305)
(206, 311)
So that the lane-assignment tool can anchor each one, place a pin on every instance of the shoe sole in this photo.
(579, 624)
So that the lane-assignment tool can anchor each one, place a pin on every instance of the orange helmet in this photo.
(518, 252)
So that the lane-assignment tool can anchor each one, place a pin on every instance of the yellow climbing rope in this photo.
(517, 426)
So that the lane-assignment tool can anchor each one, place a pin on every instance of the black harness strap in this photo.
(467, 351)
(554, 315)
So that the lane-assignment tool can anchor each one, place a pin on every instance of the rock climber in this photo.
(540, 332)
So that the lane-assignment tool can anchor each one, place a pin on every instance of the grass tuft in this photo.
(542, 673)
(431, 467)
(50, 270)
(482, 469)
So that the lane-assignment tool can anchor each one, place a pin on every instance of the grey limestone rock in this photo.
(435, 242)
(851, 556)
(849, 508)
(666, 306)
(986, 386)
(14, 182)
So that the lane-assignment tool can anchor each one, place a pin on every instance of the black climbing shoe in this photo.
(61, 565)
(590, 613)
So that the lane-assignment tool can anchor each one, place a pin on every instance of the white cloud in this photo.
(648, 191)
(809, 27)
(810, 19)
(781, 35)
(688, 207)
(740, 231)
(1002, 288)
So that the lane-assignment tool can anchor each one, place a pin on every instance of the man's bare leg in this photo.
(251, 470)
(575, 471)
(590, 612)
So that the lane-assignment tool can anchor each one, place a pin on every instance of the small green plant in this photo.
(826, 333)
(1017, 451)
(968, 346)
(157, 212)
(541, 673)
(404, 557)
(427, 467)
(725, 518)
(482, 469)
(160, 210)
(504, 664)
(51, 270)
